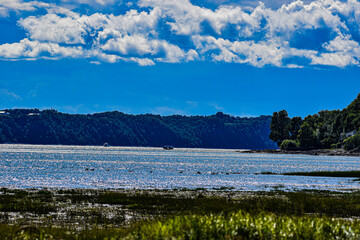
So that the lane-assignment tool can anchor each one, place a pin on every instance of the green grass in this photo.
(289, 203)
(15, 232)
(23, 201)
(242, 225)
(237, 225)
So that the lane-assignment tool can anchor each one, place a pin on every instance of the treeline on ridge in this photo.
(324, 130)
(32, 126)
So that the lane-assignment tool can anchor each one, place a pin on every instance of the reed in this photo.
(243, 225)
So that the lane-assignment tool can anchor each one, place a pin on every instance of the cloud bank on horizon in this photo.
(296, 34)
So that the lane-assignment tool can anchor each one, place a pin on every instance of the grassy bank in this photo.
(155, 214)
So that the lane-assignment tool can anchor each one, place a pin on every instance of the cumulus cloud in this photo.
(7, 5)
(190, 19)
(297, 34)
(91, 2)
(18, 5)
(257, 54)
(55, 29)
(34, 49)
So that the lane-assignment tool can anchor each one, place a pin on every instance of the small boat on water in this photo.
(168, 147)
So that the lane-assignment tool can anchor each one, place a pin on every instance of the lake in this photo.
(40, 166)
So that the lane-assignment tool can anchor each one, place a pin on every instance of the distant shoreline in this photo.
(322, 152)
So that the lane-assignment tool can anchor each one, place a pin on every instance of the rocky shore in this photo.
(325, 152)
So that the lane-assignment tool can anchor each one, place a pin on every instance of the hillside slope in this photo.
(118, 129)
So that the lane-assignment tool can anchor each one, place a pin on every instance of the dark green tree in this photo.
(294, 128)
(279, 127)
(352, 142)
(307, 137)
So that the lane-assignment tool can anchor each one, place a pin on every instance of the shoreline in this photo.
(321, 152)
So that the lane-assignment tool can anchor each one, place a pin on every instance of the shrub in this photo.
(336, 145)
(289, 145)
(352, 142)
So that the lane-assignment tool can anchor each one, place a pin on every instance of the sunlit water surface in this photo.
(37, 166)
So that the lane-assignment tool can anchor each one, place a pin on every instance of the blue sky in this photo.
(184, 57)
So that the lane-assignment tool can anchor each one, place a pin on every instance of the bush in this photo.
(336, 145)
(352, 142)
(289, 145)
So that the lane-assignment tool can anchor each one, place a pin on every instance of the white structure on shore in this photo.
(3, 113)
(34, 114)
(347, 135)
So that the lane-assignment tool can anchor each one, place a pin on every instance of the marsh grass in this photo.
(237, 225)
(23, 201)
(134, 214)
(13, 232)
(243, 225)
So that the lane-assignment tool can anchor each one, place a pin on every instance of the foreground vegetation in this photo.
(239, 225)
(242, 225)
(185, 214)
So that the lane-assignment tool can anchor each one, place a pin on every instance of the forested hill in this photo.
(118, 129)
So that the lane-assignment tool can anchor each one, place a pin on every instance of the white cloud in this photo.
(3, 12)
(192, 55)
(6, 95)
(129, 45)
(19, 5)
(189, 18)
(34, 49)
(164, 111)
(341, 52)
(92, 2)
(256, 54)
(333, 59)
(142, 61)
(139, 45)
(343, 45)
(217, 107)
(322, 32)
(52, 28)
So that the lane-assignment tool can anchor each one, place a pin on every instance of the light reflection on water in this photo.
(37, 166)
